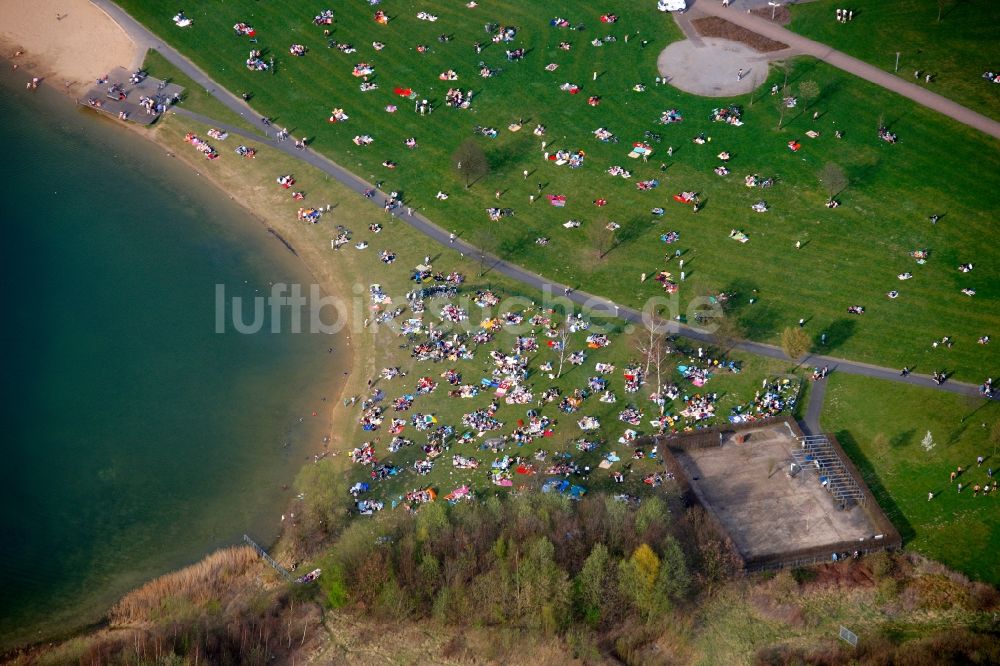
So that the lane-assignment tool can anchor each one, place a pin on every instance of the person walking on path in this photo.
(451, 238)
(739, 75)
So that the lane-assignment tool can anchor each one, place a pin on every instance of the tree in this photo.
(833, 178)
(785, 93)
(656, 354)
(591, 583)
(674, 578)
(487, 242)
(795, 342)
(729, 330)
(470, 161)
(602, 236)
(941, 5)
(637, 578)
(808, 91)
(563, 338)
(995, 436)
(653, 512)
(927, 442)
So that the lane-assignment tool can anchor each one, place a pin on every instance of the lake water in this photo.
(135, 439)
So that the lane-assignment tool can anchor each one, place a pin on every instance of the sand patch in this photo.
(713, 68)
(69, 41)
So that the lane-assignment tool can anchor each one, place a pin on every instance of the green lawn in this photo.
(884, 437)
(955, 51)
(850, 256)
(253, 181)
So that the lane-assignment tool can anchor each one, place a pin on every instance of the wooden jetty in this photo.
(121, 96)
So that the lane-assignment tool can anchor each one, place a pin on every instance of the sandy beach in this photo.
(70, 42)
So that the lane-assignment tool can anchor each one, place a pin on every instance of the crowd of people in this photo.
(508, 378)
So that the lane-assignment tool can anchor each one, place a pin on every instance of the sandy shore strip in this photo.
(70, 42)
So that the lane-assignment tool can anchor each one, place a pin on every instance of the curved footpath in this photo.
(146, 39)
(852, 65)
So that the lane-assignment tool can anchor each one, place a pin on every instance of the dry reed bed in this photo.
(208, 579)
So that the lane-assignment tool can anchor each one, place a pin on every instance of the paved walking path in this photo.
(817, 393)
(859, 68)
(144, 37)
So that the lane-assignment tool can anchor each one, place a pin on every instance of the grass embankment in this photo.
(885, 438)
(955, 50)
(850, 256)
(350, 272)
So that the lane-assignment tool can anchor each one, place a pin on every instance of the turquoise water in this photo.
(135, 439)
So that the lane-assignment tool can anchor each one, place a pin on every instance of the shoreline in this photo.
(343, 381)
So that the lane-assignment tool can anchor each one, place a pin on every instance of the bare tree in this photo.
(941, 5)
(486, 242)
(563, 338)
(470, 162)
(833, 178)
(785, 93)
(655, 352)
(808, 91)
(602, 236)
(728, 331)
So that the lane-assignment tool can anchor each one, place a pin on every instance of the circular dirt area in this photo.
(712, 68)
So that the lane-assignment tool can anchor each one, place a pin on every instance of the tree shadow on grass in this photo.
(871, 478)
(837, 333)
(502, 158)
(512, 248)
(760, 321)
(631, 230)
(903, 439)
(739, 295)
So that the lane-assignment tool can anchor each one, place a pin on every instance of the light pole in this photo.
(897, 61)
(774, 8)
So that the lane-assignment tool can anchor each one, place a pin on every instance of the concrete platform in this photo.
(764, 510)
(97, 97)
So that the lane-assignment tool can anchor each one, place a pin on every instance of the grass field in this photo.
(955, 51)
(254, 185)
(850, 256)
(884, 438)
